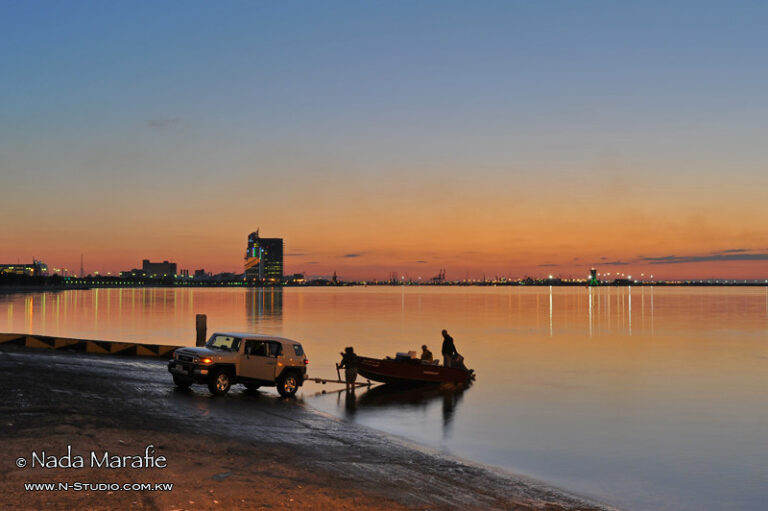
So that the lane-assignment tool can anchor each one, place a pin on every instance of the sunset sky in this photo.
(499, 138)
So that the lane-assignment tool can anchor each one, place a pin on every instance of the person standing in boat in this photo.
(349, 363)
(449, 349)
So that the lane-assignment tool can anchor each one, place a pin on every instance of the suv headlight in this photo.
(204, 360)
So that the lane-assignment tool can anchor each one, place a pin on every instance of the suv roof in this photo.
(257, 336)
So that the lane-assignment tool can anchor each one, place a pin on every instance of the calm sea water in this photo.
(645, 398)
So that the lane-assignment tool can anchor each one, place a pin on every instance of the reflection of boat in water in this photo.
(398, 395)
(410, 371)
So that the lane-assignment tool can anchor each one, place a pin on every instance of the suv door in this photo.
(257, 361)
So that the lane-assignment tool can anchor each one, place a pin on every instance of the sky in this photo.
(486, 138)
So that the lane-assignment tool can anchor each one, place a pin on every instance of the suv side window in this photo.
(275, 349)
(257, 348)
(297, 349)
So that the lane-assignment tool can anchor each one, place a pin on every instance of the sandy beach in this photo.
(243, 451)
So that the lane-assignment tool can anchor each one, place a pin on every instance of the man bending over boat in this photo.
(349, 363)
(451, 357)
(449, 349)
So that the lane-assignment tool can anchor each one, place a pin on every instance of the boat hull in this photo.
(409, 372)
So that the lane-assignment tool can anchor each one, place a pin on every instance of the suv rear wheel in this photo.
(288, 384)
(220, 382)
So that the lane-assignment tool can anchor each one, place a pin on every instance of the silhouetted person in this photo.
(449, 349)
(426, 355)
(349, 363)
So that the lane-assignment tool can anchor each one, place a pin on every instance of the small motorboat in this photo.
(407, 370)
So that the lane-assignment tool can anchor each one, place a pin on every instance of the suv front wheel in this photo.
(220, 382)
(181, 382)
(288, 384)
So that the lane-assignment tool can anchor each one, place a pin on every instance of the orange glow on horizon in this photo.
(367, 238)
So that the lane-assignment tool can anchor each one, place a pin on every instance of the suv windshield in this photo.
(223, 342)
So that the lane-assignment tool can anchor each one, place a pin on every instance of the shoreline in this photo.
(750, 283)
(287, 449)
(224, 473)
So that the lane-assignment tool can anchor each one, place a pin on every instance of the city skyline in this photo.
(618, 270)
(501, 138)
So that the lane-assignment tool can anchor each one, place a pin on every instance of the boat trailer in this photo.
(367, 383)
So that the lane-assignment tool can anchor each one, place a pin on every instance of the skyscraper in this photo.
(264, 260)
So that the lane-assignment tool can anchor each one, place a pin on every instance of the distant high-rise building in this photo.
(36, 269)
(164, 269)
(593, 278)
(264, 259)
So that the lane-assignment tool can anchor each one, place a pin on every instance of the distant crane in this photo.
(440, 278)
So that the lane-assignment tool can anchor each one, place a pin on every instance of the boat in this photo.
(410, 371)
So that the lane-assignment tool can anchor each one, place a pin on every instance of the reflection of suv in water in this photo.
(250, 359)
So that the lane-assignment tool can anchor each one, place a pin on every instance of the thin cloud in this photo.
(348, 256)
(610, 263)
(722, 257)
(420, 262)
(547, 265)
(163, 123)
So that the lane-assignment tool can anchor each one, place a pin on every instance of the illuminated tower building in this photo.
(593, 278)
(264, 260)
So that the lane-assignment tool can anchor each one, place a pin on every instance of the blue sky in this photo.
(108, 105)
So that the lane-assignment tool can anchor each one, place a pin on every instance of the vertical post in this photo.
(201, 326)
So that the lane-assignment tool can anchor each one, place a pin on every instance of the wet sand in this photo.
(246, 450)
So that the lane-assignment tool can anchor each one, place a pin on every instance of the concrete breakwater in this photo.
(87, 345)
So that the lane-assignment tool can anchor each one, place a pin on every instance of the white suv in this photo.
(251, 359)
